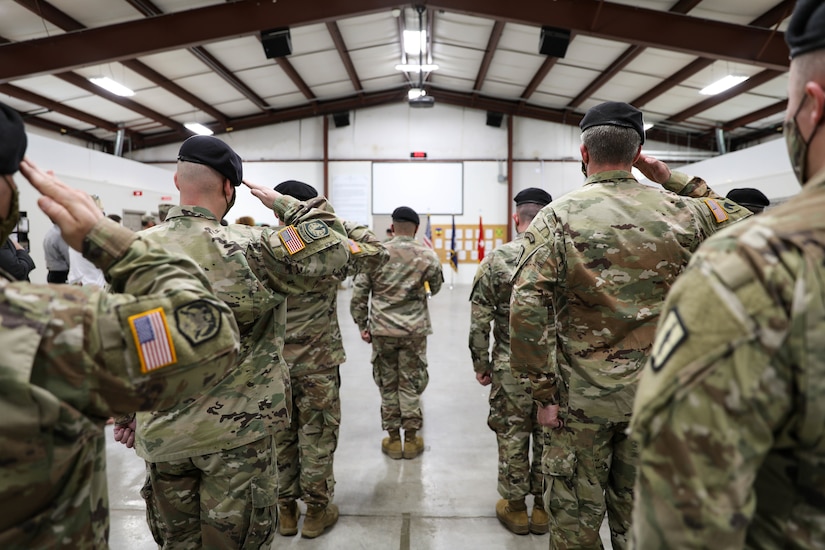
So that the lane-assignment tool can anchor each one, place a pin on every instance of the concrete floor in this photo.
(444, 499)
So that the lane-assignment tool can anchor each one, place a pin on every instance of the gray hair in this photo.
(609, 144)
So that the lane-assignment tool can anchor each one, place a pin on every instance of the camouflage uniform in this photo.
(729, 411)
(512, 410)
(596, 267)
(73, 357)
(399, 322)
(313, 349)
(194, 449)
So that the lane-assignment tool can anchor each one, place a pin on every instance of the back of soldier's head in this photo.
(297, 189)
(13, 140)
(529, 202)
(612, 132)
(752, 199)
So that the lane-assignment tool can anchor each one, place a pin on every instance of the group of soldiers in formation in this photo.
(660, 354)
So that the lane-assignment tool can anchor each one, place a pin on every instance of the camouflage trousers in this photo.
(399, 368)
(306, 447)
(589, 469)
(513, 419)
(220, 500)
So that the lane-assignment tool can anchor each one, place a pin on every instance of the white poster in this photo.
(351, 198)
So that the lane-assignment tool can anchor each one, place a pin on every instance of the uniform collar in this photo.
(190, 211)
(610, 176)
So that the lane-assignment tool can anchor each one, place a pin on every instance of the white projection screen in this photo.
(426, 187)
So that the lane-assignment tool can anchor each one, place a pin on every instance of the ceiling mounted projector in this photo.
(422, 101)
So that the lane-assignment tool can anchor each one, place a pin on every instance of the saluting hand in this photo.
(653, 169)
(74, 211)
(266, 195)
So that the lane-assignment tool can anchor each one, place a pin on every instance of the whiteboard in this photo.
(426, 187)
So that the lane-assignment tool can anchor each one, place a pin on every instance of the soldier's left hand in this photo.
(266, 195)
(125, 433)
(484, 378)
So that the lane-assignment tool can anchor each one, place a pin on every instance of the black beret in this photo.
(405, 214)
(13, 140)
(749, 197)
(298, 189)
(533, 195)
(614, 113)
(214, 153)
(806, 30)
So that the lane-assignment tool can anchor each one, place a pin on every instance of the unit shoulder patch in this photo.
(198, 321)
(672, 334)
(153, 340)
(313, 230)
(291, 240)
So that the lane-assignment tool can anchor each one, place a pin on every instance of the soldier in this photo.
(211, 469)
(73, 357)
(729, 412)
(163, 210)
(390, 309)
(752, 199)
(313, 350)
(147, 221)
(512, 410)
(596, 266)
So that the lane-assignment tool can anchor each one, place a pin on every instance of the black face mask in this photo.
(9, 225)
(584, 169)
(231, 202)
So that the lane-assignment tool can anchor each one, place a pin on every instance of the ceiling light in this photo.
(723, 84)
(648, 126)
(198, 128)
(415, 93)
(115, 87)
(408, 68)
(414, 42)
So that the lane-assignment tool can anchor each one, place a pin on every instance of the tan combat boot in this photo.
(539, 520)
(318, 519)
(391, 446)
(413, 444)
(288, 515)
(513, 515)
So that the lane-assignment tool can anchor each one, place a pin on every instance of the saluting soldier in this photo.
(596, 267)
(73, 357)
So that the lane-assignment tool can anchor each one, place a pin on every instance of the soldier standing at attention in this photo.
(73, 357)
(596, 266)
(512, 410)
(729, 412)
(313, 350)
(212, 479)
(390, 309)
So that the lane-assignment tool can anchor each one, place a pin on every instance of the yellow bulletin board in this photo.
(466, 240)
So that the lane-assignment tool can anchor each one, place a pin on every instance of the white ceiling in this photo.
(202, 60)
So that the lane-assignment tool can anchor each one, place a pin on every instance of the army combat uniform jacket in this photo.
(399, 305)
(730, 413)
(71, 358)
(252, 269)
(596, 267)
(313, 337)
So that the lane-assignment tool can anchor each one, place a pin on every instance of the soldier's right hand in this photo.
(72, 210)
(653, 169)
(125, 433)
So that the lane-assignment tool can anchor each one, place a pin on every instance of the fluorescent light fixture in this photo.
(723, 84)
(416, 68)
(648, 126)
(198, 128)
(415, 93)
(414, 41)
(115, 87)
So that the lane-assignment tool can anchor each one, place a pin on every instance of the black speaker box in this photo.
(554, 41)
(276, 42)
(340, 119)
(494, 119)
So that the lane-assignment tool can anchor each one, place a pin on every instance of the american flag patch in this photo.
(718, 212)
(354, 247)
(153, 341)
(291, 239)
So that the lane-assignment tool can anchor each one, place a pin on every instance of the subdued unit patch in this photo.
(198, 321)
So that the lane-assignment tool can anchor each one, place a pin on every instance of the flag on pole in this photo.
(481, 241)
(428, 234)
(453, 253)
